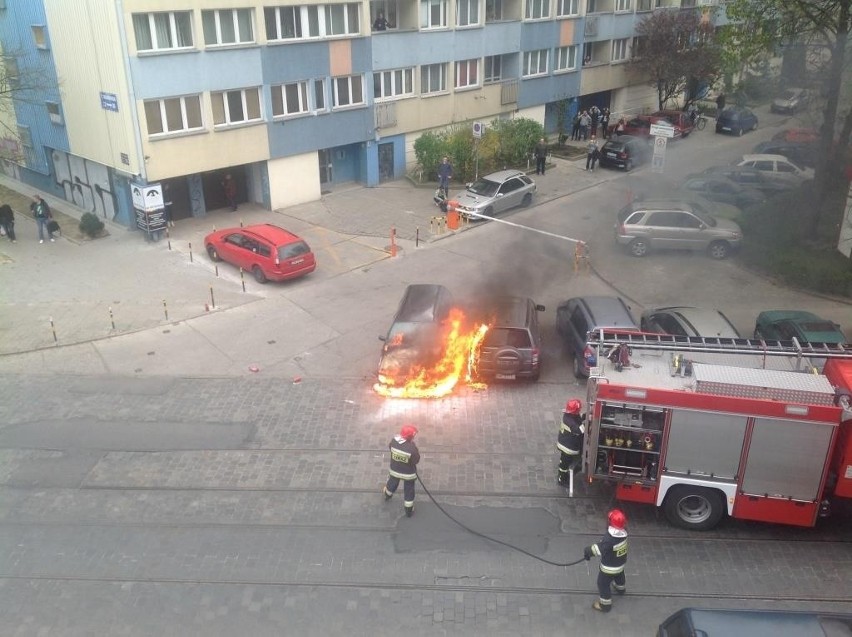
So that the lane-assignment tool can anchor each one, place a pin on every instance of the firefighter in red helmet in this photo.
(403, 466)
(570, 440)
(612, 550)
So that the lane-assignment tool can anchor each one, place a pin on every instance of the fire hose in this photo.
(489, 538)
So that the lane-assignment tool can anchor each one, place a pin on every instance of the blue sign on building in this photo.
(109, 101)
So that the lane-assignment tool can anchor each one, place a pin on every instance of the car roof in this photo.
(762, 623)
(765, 157)
(502, 311)
(418, 303)
(608, 311)
(704, 321)
(269, 232)
(503, 175)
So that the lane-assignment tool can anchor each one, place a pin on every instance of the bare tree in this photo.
(676, 50)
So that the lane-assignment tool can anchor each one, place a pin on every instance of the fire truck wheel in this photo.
(695, 508)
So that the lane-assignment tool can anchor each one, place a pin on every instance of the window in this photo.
(622, 5)
(619, 49)
(433, 14)
(314, 21)
(567, 7)
(467, 73)
(433, 78)
(54, 112)
(348, 91)
(319, 95)
(227, 26)
(10, 66)
(236, 107)
(493, 69)
(388, 8)
(467, 12)
(39, 36)
(25, 136)
(493, 10)
(566, 58)
(644, 5)
(397, 83)
(173, 115)
(162, 31)
(537, 9)
(290, 99)
(535, 63)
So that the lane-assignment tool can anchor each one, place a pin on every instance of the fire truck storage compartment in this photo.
(629, 440)
(705, 443)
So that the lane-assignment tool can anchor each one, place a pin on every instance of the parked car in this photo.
(688, 321)
(723, 190)
(496, 193)
(644, 226)
(680, 120)
(790, 101)
(800, 135)
(712, 622)
(639, 126)
(576, 317)
(806, 327)
(778, 167)
(803, 154)
(753, 178)
(415, 335)
(512, 345)
(736, 120)
(625, 151)
(270, 253)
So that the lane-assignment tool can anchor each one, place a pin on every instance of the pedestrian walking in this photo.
(585, 122)
(229, 187)
(41, 213)
(445, 173)
(575, 128)
(612, 549)
(540, 156)
(403, 466)
(605, 123)
(570, 440)
(592, 153)
(7, 221)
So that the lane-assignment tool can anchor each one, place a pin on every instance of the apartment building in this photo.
(289, 99)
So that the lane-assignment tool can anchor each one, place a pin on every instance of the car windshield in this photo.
(507, 337)
(788, 95)
(702, 214)
(818, 326)
(484, 187)
(406, 335)
(293, 250)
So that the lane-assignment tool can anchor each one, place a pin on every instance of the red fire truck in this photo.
(709, 427)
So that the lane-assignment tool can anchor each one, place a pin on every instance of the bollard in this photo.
(393, 241)
(241, 222)
(165, 309)
(581, 257)
(417, 237)
(53, 329)
(190, 251)
(212, 300)
(168, 238)
(243, 279)
(111, 318)
(216, 269)
(630, 196)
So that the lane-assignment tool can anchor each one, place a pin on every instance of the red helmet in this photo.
(408, 432)
(617, 519)
(573, 406)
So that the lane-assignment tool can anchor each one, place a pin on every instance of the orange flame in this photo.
(457, 363)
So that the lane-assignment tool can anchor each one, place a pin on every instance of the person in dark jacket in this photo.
(445, 173)
(612, 549)
(403, 466)
(540, 156)
(720, 103)
(42, 215)
(570, 441)
(7, 220)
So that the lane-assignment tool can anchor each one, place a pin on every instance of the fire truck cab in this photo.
(712, 427)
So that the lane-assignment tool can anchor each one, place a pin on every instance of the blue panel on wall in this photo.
(304, 134)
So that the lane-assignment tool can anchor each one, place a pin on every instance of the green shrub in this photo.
(90, 225)
(429, 148)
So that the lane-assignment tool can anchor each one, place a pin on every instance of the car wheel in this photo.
(719, 249)
(488, 212)
(755, 126)
(695, 508)
(628, 165)
(638, 248)
(527, 200)
(739, 132)
(213, 254)
(259, 276)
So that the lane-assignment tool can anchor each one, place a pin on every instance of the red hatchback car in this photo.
(270, 253)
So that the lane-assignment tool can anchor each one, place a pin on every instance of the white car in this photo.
(778, 167)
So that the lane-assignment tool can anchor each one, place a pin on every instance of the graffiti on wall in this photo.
(86, 184)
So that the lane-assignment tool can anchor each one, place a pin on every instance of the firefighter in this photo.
(612, 550)
(403, 466)
(570, 440)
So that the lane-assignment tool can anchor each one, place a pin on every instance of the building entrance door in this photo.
(325, 170)
(385, 162)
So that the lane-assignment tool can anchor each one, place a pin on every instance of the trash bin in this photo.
(452, 215)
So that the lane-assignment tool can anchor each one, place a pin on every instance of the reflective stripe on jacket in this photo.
(404, 458)
(571, 432)
(612, 550)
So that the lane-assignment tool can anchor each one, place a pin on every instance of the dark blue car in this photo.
(736, 120)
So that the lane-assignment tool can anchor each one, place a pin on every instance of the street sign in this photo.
(658, 163)
(148, 197)
(478, 129)
(660, 144)
(662, 130)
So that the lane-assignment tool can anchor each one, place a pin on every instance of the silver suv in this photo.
(653, 225)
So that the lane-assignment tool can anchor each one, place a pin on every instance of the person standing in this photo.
(7, 220)
(570, 441)
(575, 128)
(592, 153)
(612, 550)
(595, 114)
(445, 173)
(380, 23)
(605, 123)
(403, 466)
(540, 156)
(720, 103)
(42, 215)
(229, 187)
(167, 205)
(585, 122)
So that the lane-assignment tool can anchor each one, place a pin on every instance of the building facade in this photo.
(292, 99)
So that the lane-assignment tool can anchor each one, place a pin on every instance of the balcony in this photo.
(509, 92)
(385, 114)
